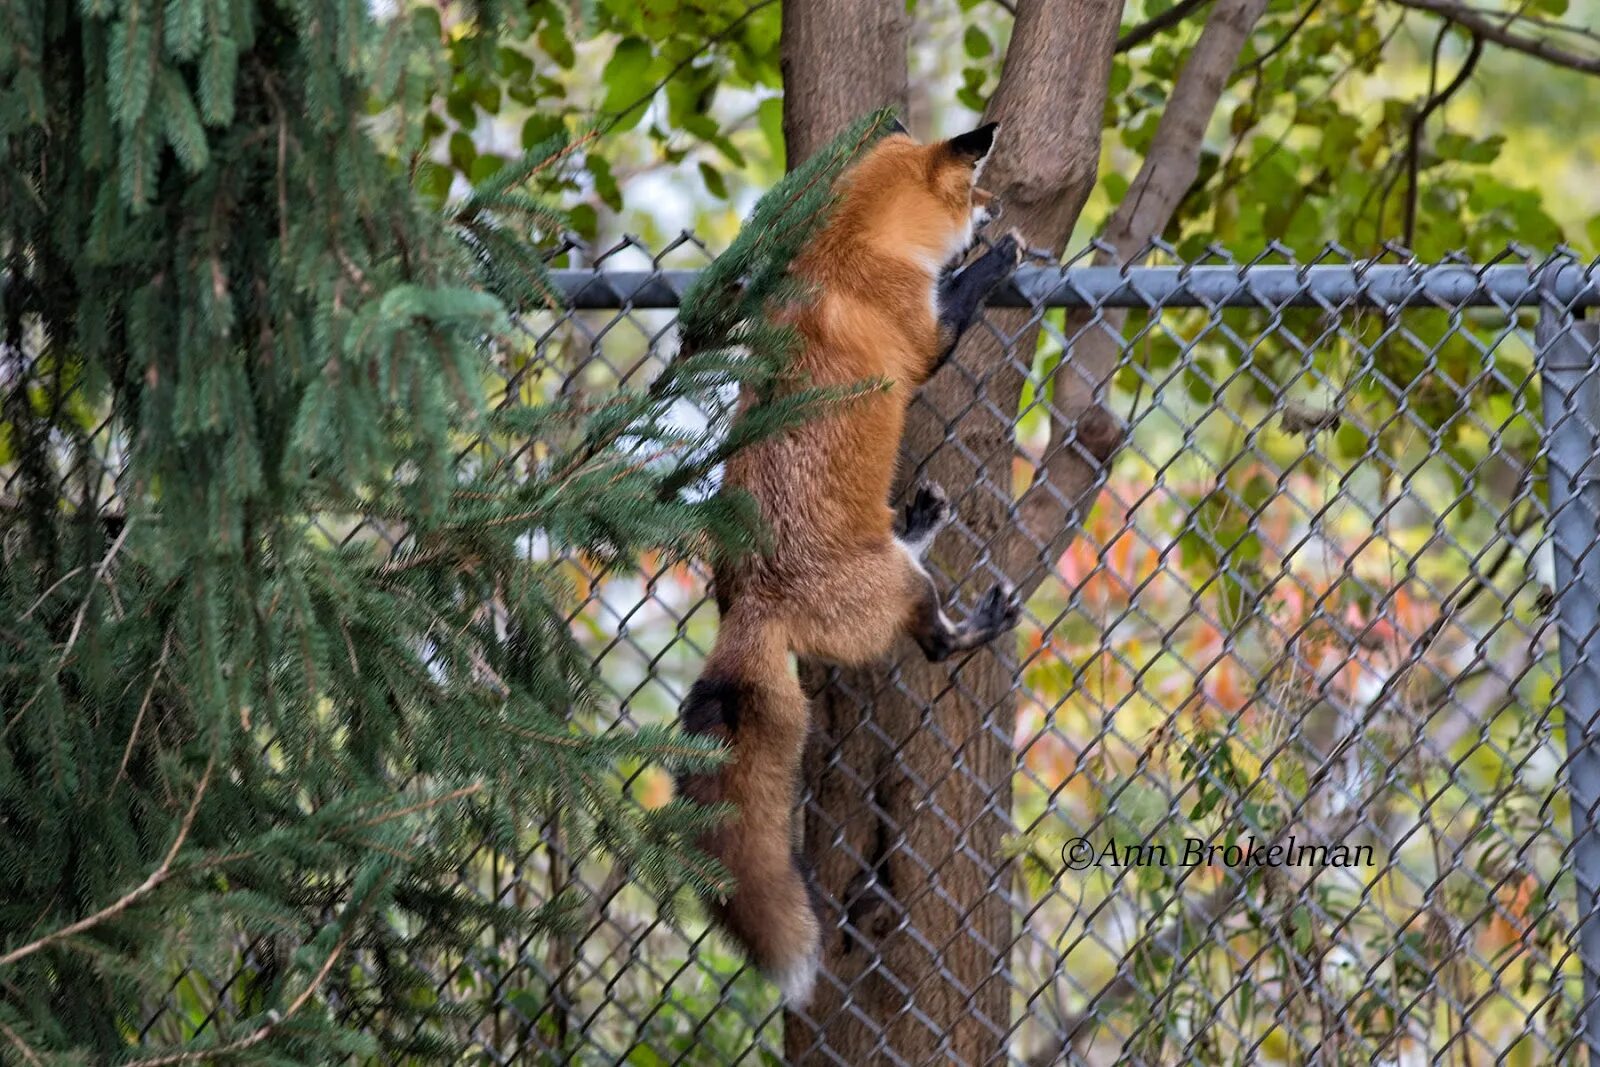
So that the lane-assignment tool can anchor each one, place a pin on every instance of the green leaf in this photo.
(433, 181)
(488, 98)
(540, 128)
(462, 152)
(459, 107)
(713, 180)
(628, 81)
(769, 116)
(485, 167)
(1301, 923)
(605, 184)
(525, 1001)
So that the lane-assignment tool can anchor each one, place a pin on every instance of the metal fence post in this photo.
(1567, 362)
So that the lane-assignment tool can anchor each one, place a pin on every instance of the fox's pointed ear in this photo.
(974, 147)
(896, 126)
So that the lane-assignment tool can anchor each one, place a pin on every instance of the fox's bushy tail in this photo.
(749, 698)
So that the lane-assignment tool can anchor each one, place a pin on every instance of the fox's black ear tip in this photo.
(896, 126)
(976, 144)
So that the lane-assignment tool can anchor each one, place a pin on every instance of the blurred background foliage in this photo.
(1310, 143)
(1306, 500)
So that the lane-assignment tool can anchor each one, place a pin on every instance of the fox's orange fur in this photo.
(837, 583)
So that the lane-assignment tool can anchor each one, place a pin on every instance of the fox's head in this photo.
(920, 198)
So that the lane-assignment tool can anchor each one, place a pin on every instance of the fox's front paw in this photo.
(926, 511)
(1024, 253)
(1009, 248)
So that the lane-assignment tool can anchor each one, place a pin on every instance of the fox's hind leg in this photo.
(998, 612)
(854, 615)
(939, 638)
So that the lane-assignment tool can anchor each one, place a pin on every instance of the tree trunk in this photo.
(840, 59)
(909, 769)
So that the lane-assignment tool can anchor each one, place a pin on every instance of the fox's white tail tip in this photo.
(797, 980)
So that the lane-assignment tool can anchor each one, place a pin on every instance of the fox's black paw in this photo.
(998, 611)
(926, 511)
(1009, 247)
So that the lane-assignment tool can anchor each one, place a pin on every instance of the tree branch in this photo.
(1083, 433)
(21, 1046)
(1173, 161)
(1164, 21)
(1414, 144)
(1485, 27)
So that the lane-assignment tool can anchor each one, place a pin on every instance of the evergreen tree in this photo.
(233, 332)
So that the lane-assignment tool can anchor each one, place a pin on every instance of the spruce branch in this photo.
(153, 882)
(21, 1046)
(275, 1020)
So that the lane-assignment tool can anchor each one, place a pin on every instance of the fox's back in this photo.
(871, 316)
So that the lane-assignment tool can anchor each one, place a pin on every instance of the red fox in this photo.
(837, 583)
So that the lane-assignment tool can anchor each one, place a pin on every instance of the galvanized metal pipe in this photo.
(1569, 370)
(1324, 286)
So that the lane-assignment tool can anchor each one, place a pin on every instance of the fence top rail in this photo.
(1328, 286)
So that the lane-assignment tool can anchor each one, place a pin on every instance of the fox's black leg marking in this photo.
(962, 294)
(925, 514)
(997, 613)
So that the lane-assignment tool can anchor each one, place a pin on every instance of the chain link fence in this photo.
(1291, 779)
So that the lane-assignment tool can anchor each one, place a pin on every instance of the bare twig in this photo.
(99, 576)
(1485, 27)
(1288, 35)
(144, 705)
(20, 1045)
(1164, 21)
(44, 596)
(1433, 103)
(1475, 586)
(424, 805)
(128, 899)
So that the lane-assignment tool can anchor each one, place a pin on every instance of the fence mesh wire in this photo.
(1309, 611)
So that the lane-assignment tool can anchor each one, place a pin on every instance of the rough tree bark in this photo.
(909, 770)
(840, 59)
